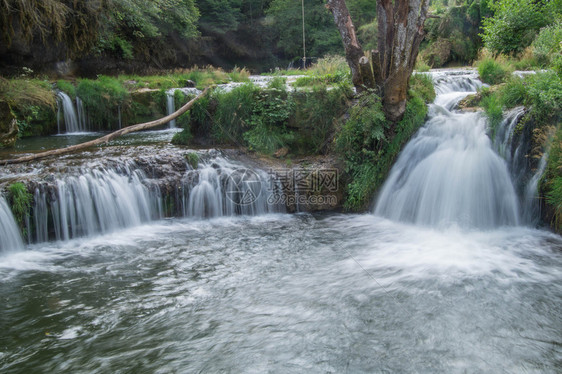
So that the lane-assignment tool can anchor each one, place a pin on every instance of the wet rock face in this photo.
(8, 126)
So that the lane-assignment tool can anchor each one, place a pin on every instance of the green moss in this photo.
(192, 159)
(552, 180)
(20, 201)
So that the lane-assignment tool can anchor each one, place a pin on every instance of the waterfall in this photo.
(514, 145)
(70, 118)
(449, 173)
(171, 106)
(83, 121)
(10, 237)
(221, 188)
(170, 103)
(103, 200)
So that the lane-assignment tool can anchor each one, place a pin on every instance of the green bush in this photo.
(514, 92)
(102, 98)
(491, 71)
(268, 123)
(551, 183)
(67, 87)
(547, 46)
(233, 112)
(493, 109)
(20, 200)
(422, 84)
(544, 96)
(369, 147)
(515, 24)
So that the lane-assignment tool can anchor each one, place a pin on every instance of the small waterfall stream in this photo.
(449, 173)
(10, 238)
(106, 199)
(75, 120)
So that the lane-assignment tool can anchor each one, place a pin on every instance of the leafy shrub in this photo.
(514, 24)
(514, 92)
(20, 200)
(233, 112)
(546, 47)
(422, 85)
(368, 146)
(268, 123)
(551, 183)
(493, 109)
(544, 96)
(491, 71)
(102, 98)
(67, 87)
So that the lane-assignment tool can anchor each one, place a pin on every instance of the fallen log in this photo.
(108, 137)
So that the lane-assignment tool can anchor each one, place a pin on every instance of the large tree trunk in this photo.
(400, 32)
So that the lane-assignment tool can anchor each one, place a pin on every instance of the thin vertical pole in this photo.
(303, 39)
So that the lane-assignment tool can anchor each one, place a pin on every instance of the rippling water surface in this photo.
(285, 294)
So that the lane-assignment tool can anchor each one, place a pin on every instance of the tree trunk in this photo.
(400, 32)
(108, 137)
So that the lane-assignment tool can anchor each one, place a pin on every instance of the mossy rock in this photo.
(8, 126)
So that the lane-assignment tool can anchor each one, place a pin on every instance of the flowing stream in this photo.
(238, 288)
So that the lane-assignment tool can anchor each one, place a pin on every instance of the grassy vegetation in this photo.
(102, 98)
(492, 71)
(266, 120)
(20, 201)
(33, 104)
(368, 143)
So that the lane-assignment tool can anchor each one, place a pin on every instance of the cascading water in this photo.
(448, 173)
(225, 189)
(514, 145)
(71, 122)
(103, 200)
(10, 238)
(171, 106)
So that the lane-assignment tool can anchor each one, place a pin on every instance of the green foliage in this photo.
(322, 36)
(234, 110)
(422, 85)
(183, 137)
(368, 145)
(268, 124)
(20, 201)
(516, 22)
(552, 180)
(544, 96)
(317, 112)
(493, 109)
(514, 92)
(192, 159)
(75, 24)
(101, 98)
(548, 44)
(67, 87)
(32, 102)
(453, 36)
(491, 71)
